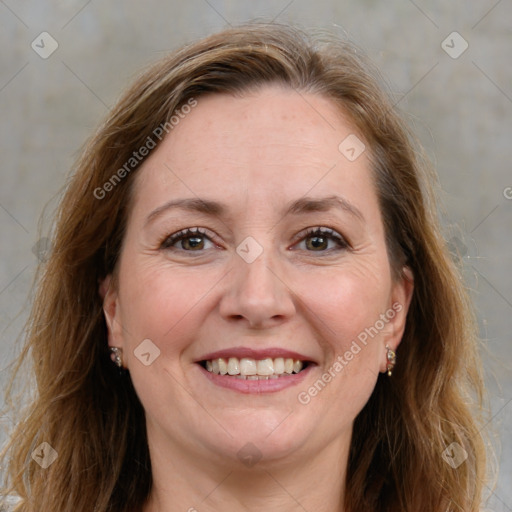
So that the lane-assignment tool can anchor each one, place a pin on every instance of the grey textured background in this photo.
(460, 108)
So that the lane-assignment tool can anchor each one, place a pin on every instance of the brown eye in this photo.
(323, 240)
(193, 242)
(189, 240)
(317, 242)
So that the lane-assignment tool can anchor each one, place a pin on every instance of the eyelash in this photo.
(182, 235)
(323, 232)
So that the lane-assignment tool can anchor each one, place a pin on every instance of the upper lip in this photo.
(240, 352)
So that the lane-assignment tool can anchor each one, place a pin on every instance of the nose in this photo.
(257, 294)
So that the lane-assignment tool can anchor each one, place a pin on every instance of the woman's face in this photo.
(290, 262)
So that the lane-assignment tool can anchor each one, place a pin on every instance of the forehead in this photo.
(272, 144)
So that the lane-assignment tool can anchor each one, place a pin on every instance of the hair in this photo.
(92, 416)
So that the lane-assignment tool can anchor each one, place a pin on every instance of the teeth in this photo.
(248, 366)
(266, 367)
(223, 366)
(233, 366)
(278, 365)
(252, 369)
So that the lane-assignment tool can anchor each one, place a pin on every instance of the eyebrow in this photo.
(197, 205)
(322, 204)
(297, 207)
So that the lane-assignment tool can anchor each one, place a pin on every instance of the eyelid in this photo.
(331, 233)
(168, 240)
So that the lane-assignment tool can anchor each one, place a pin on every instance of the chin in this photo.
(266, 435)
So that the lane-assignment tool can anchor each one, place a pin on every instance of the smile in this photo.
(247, 368)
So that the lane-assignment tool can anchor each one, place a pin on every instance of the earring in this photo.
(116, 354)
(391, 357)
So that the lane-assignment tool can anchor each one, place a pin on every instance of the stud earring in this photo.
(391, 358)
(116, 354)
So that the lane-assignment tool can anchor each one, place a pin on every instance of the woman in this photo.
(252, 237)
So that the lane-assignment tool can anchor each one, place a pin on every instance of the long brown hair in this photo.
(91, 415)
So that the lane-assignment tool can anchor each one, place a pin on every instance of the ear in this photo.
(109, 294)
(401, 296)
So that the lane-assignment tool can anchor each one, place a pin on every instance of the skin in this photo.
(255, 154)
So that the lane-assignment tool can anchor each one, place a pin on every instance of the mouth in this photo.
(255, 371)
(247, 368)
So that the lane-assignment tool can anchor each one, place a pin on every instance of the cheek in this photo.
(158, 303)
(345, 306)
(346, 300)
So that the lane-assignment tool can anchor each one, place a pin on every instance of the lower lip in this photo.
(256, 386)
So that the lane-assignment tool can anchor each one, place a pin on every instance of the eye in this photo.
(317, 240)
(189, 240)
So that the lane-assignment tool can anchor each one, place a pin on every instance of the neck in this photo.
(182, 482)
